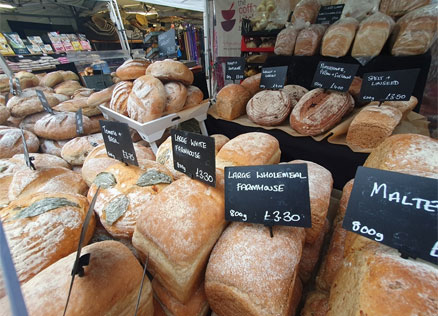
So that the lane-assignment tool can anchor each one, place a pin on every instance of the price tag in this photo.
(334, 76)
(389, 85)
(44, 102)
(194, 155)
(118, 142)
(398, 210)
(273, 77)
(329, 14)
(277, 194)
(79, 123)
(166, 43)
(234, 68)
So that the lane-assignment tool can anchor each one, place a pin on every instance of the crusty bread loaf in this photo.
(52, 147)
(124, 192)
(196, 306)
(158, 309)
(319, 110)
(252, 84)
(4, 114)
(132, 69)
(147, 99)
(250, 149)
(219, 141)
(309, 39)
(316, 304)
(354, 89)
(28, 123)
(28, 103)
(285, 42)
(2, 100)
(404, 106)
(76, 150)
(40, 161)
(231, 101)
(176, 96)
(69, 75)
(295, 93)
(250, 273)
(100, 97)
(75, 104)
(178, 229)
(171, 70)
(4, 83)
(67, 87)
(339, 37)
(165, 157)
(110, 285)
(306, 11)
(11, 142)
(269, 107)
(194, 97)
(83, 92)
(397, 8)
(52, 79)
(119, 99)
(27, 79)
(43, 228)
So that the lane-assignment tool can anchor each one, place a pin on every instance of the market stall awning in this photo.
(195, 5)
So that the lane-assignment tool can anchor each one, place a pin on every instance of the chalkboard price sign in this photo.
(273, 77)
(274, 195)
(166, 43)
(118, 142)
(44, 102)
(398, 210)
(329, 14)
(389, 85)
(234, 68)
(194, 155)
(334, 76)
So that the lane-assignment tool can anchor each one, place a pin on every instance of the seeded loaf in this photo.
(404, 106)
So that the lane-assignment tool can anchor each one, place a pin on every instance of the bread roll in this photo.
(320, 110)
(250, 273)
(194, 97)
(67, 87)
(219, 141)
(74, 105)
(124, 192)
(231, 101)
(309, 39)
(339, 37)
(132, 69)
(316, 304)
(100, 97)
(69, 75)
(250, 149)
(110, 285)
(372, 126)
(252, 84)
(147, 99)
(176, 96)
(269, 107)
(43, 228)
(28, 103)
(52, 79)
(295, 93)
(171, 70)
(404, 106)
(372, 35)
(4, 114)
(306, 11)
(178, 229)
(27, 79)
(11, 142)
(76, 150)
(165, 157)
(285, 42)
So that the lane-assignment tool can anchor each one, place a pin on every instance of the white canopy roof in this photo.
(195, 5)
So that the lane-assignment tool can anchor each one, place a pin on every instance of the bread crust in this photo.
(231, 101)
(171, 70)
(132, 69)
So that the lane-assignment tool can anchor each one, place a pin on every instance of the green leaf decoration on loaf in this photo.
(116, 208)
(153, 176)
(43, 206)
(105, 180)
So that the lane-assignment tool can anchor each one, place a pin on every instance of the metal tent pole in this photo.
(117, 20)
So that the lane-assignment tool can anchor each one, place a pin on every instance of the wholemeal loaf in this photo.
(252, 84)
(4, 114)
(132, 69)
(176, 96)
(11, 142)
(269, 107)
(231, 101)
(119, 99)
(76, 150)
(171, 70)
(339, 37)
(28, 103)
(52, 147)
(309, 39)
(52, 79)
(100, 97)
(194, 97)
(67, 87)
(404, 106)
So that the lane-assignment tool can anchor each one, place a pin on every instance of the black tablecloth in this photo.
(340, 160)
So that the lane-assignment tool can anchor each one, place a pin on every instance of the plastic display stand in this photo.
(154, 130)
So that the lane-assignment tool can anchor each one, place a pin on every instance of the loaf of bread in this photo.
(147, 99)
(306, 11)
(52, 147)
(309, 40)
(119, 99)
(372, 35)
(231, 101)
(359, 9)
(250, 149)
(27, 79)
(132, 69)
(52, 79)
(40, 161)
(67, 87)
(43, 228)
(316, 304)
(319, 110)
(178, 229)
(28, 103)
(124, 192)
(252, 84)
(397, 8)
(76, 150)
(355, 88)
(194, 97)
(171, 70)
(176, 96)
(84, 92)
(339, 37)
(97, 98)
(165, 157)
(69, 75)
(4, 114)
(250, 273)
(11, 142)
(75, 104)
(2, 100)
(110, 285)
(196, 306)
(295, 93)
(285, 43)
(219, 141)
(269, 107)
(372, 126)
(29, 121)
(404, 106)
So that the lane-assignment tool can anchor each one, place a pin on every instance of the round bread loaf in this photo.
(73, 105)
(2, 100)
(4, 114)
(219, 141)
(100, 97)
(28, 123)
(171, 70)
(318, 111)
(76, 150)
(147, 99)
(27, 79)
(52, 79)
(13, 121)
(231, 101)
(11, 142)
(41, 88)
(176, 96)
(83, 92)
(61, 126)
(268, 107)
(120, 95)
(194, 97)
(61, 97)
(295, 93)
(404, 106)
(69, 75)
(40, 161)
(132, 69)
(52, 147)
(165, 157)
(67, 87)
(252, 84)
(28, 103)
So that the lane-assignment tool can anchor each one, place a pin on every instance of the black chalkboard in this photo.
(273, 77)
(389, 85)
(118, 142)
(166, 43)
(194, 155)
(274, 195)
(44, 102)
(234, 68)
(334, 76)
(79, 123)
(329, 14)
(398, 210)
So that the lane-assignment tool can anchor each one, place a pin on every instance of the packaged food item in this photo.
(16, 43)
(309, 40)
(398, 8)
(360, 9)
(306, 11)
(338, 37)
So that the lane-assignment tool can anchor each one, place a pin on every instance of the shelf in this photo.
(245, 49)
(117, 42)
(247, 32)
